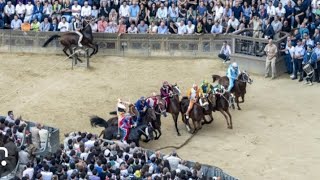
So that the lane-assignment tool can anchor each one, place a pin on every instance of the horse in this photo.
(239, 89)
(148, 119)
(160, 109)
(222, 105)
(211, 99)
(196, 113)
(70, 39)
(174, 106)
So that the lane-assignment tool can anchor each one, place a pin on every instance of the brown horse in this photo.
(174, 106)
(160, 109)
(70, 40)
(222, 105)
(196, 113)
(239, 88)
(211, 99)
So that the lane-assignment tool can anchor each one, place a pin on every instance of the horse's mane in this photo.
(215, 77)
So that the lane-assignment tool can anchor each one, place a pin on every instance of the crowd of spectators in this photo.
(83, 156)
(267, 18)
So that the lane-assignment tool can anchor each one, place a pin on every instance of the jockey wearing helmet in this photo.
(141, 105)
(166, 92)
(124, 121)
(193, 94)
(206, 87)
(152, 101)
(232, 73)
(77, 26)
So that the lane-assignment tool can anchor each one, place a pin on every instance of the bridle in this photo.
(245, 78)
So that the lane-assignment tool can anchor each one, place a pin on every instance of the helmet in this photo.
(234, 64)
(142, 98)
(165, 83)
(154, 94)
(205, 82)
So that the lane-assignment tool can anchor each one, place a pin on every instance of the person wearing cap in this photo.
(225, 52)
(309, 58)
(152, 100)
(77, 26)
(232, 73)
(141, 106)
(299, 52)
(193, 94)
(166, 92)
(316, 50)
(271, 51)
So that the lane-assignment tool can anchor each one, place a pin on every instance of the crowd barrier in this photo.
(245, 49)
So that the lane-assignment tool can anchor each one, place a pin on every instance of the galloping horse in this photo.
(174, 106)
(70, 40)
(222, 105)
(160, 109)
(239, 89)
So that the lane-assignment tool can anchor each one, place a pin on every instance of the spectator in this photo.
(142, 27)
(56, 10)
(174, 161)
(63, 25)
(268, 32)
(16, 23)
(10, 117)
(247, 12)
(9, 12)
(1, 22)
(37, 12)
(173, 12)
(309, 58)
(216, 28)
(143, 13)
(26, 26)
(172, 28)
(289, 51)
(271, 51)
(20, 10)
(182, 29)
(162, 29)
(45, 25)
(134, 12)
(113, 16)
(286, 27)
(289, 14)
(300, 12)
(201, 9)
(43, 134)
(225, 52)
(47, 10)
(277, 26)
(227, 12)
(94, 26)
(308, 40)
(76, 9)
(124, 11)
(94, 12)
(86, 10)
(280, 12)
(211, 9)
(233, 25)
(207, 26)
(54, 25)
(151, 14)
(199, 30)
(219, 11)
(299, 52)
(111, 28)
(256, 23)
(316, 50)
(102, 24)
(316, 36)
(303, 29)
(29, 171)
(162, 13)
(66, 11)
(104, 9)
(271, 10)
(237, 11)
(153, 28)
(132, 29)
(190, 28)
(122, 29)
(191, 15)
(46, 174)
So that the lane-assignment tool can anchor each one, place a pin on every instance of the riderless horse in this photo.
(70, 39)
(239, 89)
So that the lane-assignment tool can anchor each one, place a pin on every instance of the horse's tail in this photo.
(113, 113)
(98, 121)
(50, 39)
(215, 77)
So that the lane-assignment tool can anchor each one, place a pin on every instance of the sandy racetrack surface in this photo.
(275, 136)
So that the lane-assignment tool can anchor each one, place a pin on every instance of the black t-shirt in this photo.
(286, 28)
(104, 11)
(171, 29)
(208, 27)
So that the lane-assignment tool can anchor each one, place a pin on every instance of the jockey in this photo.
(141, 105)
(152, 101)
(124, 121)
(193, 94)
(218, 89)
(206, 87)
(77, 26)
(232, 73)
(166, 92)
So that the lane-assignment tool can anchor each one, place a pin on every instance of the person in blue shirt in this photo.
(232, 73)
(37, 11)
(310, 57)
(141, 106)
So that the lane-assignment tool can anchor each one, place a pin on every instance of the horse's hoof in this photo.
(146, 140)
(239, 109)
(179, 134)
(230, 127)
(156, 138)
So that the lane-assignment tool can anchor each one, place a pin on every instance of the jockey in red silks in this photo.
(166, 92)
(152, 101)
(124, 121)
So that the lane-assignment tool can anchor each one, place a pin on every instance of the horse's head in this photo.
(160, 108)
(133, 111)
(176, 89)
(149, 131)
(245, 77)
(205, 103)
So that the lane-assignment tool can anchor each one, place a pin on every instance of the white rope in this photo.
(21, 87)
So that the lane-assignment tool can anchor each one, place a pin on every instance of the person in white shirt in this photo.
(174, 161)
(162, 12)
(86, 10)
(132, 29)
(190, 28)
(225, 52)
(271, 10)
(46, 174)
(9, 12)
(153, 28)
(182, 29)
(29, 171)
(10, 117)
(43, 134)
(124, 11)
(29, 11)
(280, 11)
(94, 26)
(63, 26)
(76, 9)
(47, 9)
(20, 10)
(16, 23)
(233, 25)
(173, 12)
(219, 11)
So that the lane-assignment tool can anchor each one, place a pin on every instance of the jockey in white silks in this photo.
(77, 26)
(232, 73)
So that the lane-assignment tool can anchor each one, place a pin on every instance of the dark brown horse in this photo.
(222, 105)
(239, 88)
(174, 106)
(196, 113)
(211, 99)
(160, 109)
(70, 39)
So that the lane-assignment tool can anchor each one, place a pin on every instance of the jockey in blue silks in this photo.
(141, 105)
(232, 73)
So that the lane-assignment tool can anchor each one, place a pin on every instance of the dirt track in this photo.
(275, 136)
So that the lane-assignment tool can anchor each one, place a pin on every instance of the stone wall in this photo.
(244, 48)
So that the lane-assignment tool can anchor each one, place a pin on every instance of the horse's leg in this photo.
(159, 130)
(175, 118)
(230, 118)
(211, 119)
(205, 120)
(65, 52)
(195, 128)
(242, 97)
(92, 46)
(237, 101)
(225, 116)
(156, 134)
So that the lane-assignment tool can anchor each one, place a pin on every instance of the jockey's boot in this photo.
(187, 116)
(79, 44)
